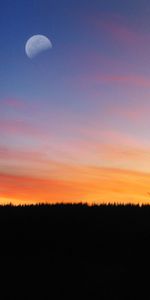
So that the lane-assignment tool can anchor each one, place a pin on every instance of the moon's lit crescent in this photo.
(37, 44)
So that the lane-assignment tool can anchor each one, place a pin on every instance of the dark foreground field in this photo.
(75, 252)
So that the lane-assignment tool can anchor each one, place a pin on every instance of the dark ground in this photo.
(75, 252)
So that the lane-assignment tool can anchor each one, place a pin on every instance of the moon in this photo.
(37, 44)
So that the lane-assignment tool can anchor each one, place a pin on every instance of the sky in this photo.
(75, 119)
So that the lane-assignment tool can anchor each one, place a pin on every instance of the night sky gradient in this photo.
(75, 120)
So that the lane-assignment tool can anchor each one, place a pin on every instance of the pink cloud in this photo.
(14, 103)
(120, 32)
(126, 80)
(19, 127)
(134, 113)
(9, 153)
(136, 80)
(108, 134)
(117, 28)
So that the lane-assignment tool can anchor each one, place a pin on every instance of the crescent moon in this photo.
(37, 44)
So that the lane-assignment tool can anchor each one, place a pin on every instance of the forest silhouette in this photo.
(76, 251)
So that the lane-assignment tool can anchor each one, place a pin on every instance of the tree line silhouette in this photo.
(87, 251)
